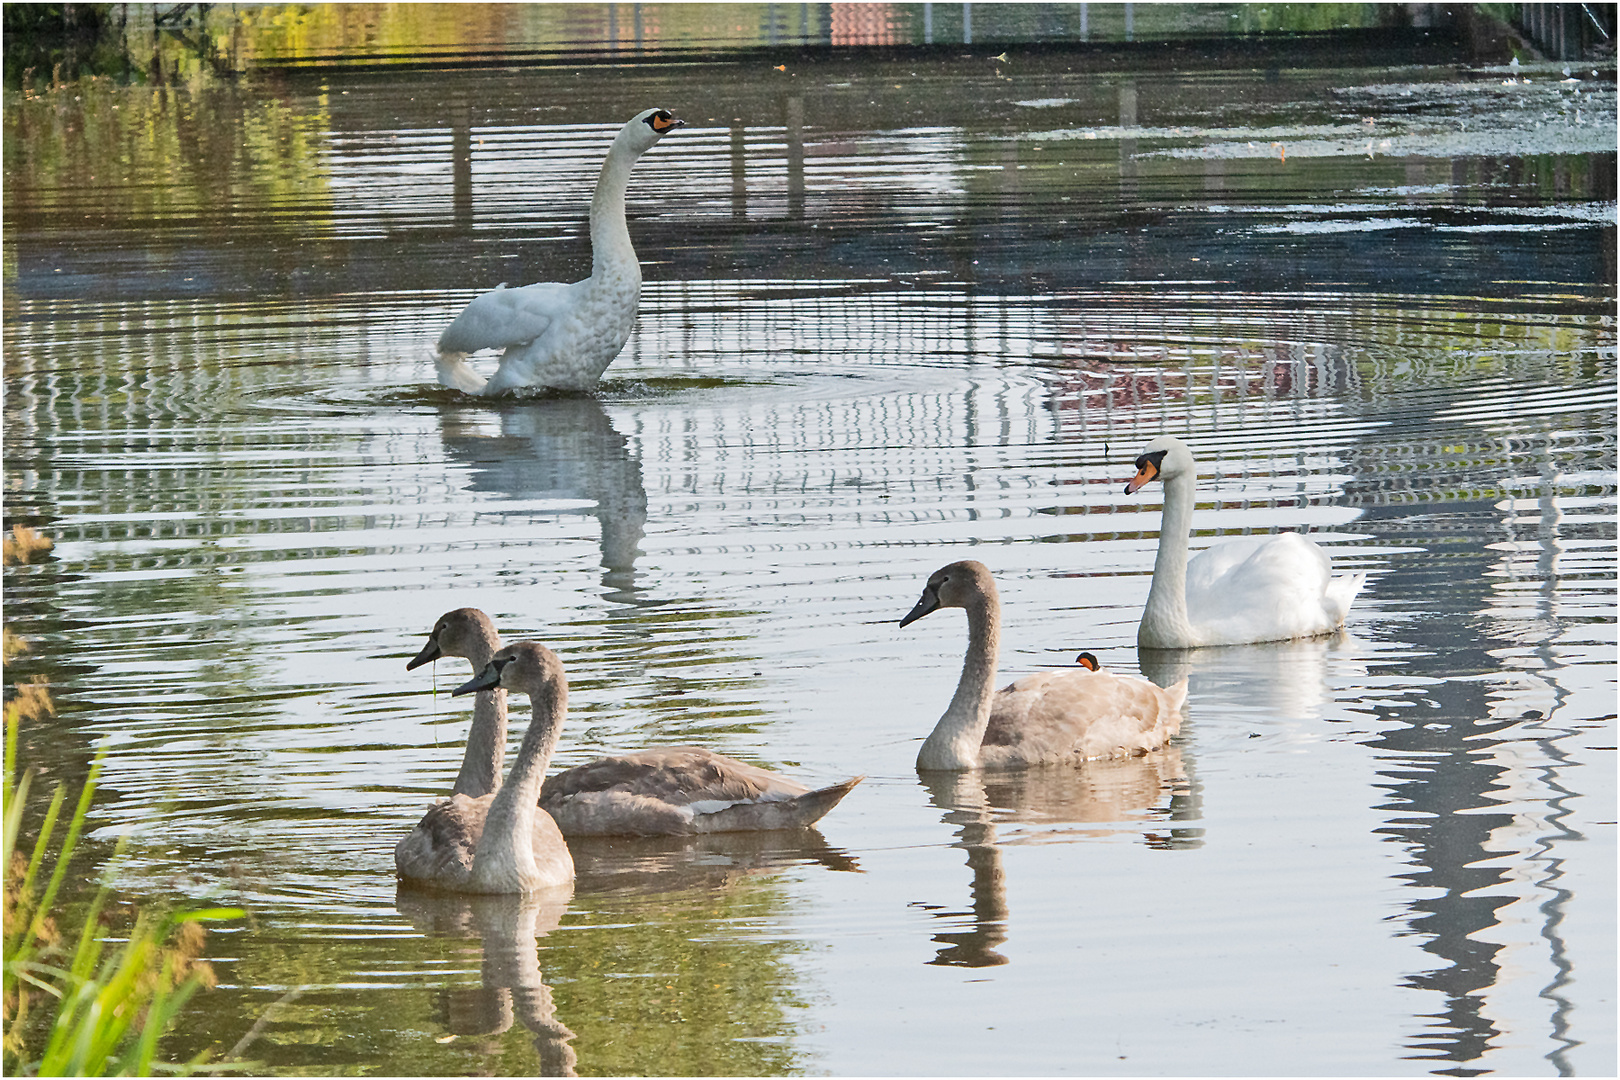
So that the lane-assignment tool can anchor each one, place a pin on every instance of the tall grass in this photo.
(76, 1002)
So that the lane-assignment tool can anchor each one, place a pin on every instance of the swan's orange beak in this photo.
(663, 122)
(1147, 469)
(1087, 661)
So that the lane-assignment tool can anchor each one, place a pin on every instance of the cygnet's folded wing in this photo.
(1079, 715)
(675, 790)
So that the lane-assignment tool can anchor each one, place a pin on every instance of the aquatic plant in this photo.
(76, 1001)
(24, 545)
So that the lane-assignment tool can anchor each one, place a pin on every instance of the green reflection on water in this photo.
(167, 43)
(689, 980)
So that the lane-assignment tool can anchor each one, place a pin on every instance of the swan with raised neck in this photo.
(503, 842)
(1254, 589)
(1048, 717)
(560, 335)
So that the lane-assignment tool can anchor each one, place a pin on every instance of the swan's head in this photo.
(457, 633)
(1087, 661)
(961, 584)
(647, 127)
(1162, 459)
(527, 667)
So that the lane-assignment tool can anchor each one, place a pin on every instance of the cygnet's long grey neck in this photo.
(509, 826)
(481, 765)
(955, 740)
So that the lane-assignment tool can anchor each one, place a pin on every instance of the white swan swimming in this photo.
(502, 842)
(467, 632)
(660, 791)
(1260, 588)
(1051, 716)
(555, 334)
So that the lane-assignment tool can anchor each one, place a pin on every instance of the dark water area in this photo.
(898, 309)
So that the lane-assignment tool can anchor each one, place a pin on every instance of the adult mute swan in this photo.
(500, 843)
(660, 791)
(467, 632)
(1259, 588)
(554, 334)
(1051, 716)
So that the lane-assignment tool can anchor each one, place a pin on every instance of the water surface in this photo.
(895, 315)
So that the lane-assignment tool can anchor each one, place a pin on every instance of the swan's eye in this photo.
(1148, 465)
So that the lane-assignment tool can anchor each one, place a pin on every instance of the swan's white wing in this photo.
(1064, 715)
(1263, 588)
(502, 318)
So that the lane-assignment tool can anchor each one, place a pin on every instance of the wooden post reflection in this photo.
(793, 122)
(461, 200)
(739, 172)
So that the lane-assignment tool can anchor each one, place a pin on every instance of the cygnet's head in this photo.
(457, 633)
(526, 666)
(647, 127)
(958, 585)
(1162, 459)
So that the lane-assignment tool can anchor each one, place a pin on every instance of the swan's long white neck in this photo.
(612, 255)
(955, 740)
(508, 840)
(1164, 618)
(486, 742)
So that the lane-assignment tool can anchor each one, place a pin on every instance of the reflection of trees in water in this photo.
(511, 985)
(1058, 803)
(678, 960)
(1474, 769)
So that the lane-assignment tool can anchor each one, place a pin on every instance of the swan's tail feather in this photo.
(794, 813)
(1341, 592)
(454, 373)
(1178, 703)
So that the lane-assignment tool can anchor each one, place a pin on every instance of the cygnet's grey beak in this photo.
(487, 679)
(929, 602)
(430, 651)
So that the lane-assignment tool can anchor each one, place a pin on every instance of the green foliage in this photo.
(106, 1004)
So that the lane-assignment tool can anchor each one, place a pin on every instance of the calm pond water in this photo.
(896, 314)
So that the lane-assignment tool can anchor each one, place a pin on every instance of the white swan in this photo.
(1260, 588)
(467, 632)
(500, 843)
(1051, 716)
(660, 791)
(555, 334)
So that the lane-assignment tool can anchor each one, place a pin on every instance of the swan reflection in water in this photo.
(1057, 803)
(509, 926)
(1280, 681)
(557, 448)
(668, 864)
